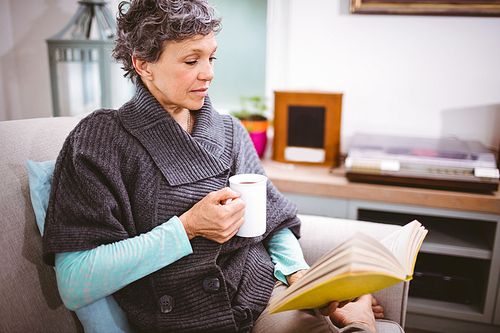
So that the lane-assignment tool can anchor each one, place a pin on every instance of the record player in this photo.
(445, 163)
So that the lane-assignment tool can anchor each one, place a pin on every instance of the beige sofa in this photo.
(30, 299)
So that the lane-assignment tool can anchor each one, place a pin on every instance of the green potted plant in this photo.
(252, 116)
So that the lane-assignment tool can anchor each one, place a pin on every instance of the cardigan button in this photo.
(211, 284)
(166, 304)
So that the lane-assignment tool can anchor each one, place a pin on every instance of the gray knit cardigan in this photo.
(123, 172)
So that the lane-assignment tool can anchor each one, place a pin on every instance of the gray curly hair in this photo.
(145, 25)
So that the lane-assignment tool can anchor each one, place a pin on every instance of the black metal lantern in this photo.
(82, 74)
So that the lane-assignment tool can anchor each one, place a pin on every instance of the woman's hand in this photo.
(213, 219)
(332, 307)
(363, 311)
(292, 278)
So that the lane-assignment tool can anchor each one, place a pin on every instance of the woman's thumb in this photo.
(226, 195)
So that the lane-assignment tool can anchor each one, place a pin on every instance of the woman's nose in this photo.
(207, 71)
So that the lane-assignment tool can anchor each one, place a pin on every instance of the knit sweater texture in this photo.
(123, 172)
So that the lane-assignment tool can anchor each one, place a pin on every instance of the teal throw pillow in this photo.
(104, 315)
(40, 177)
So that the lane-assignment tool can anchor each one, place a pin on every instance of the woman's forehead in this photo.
(196, 44)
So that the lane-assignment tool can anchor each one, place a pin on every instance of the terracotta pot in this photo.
(258, 133)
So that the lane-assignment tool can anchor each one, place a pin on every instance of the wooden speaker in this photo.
(307, 127)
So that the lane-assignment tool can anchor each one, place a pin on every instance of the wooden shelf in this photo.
(324, 181)
(442, 243)
(448, 309)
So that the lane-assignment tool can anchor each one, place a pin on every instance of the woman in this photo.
(136, 207)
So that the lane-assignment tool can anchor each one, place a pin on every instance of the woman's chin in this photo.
(196, 105)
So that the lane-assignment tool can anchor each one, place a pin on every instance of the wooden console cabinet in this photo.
(463, 244)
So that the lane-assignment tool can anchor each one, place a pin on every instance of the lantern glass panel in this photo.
(78, 80)
(83, 75)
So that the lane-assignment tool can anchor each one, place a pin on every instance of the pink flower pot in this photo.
(258, 134)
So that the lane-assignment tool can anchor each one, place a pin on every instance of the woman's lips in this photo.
(200, 92)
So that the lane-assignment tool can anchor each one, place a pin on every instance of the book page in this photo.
(359, 240)
(413, 249)
(405, 243)
(370, 251)
(360, 253)
(354, 259)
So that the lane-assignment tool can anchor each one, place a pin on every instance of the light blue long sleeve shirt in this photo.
(84, 277)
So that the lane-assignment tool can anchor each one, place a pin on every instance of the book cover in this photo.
(358, 266)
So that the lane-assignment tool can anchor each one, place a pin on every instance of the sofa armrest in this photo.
(320, 234)
(30, 298)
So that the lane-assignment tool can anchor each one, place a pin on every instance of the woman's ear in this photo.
(143, 68)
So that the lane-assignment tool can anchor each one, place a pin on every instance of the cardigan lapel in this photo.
(182, 158)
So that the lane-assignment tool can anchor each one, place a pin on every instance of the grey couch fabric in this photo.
(30, 299)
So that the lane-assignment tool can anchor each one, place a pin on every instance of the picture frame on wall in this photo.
(307, 127)
(427, 7)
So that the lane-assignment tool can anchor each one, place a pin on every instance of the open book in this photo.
(358, 266)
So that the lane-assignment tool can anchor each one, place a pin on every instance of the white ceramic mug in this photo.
(253, 192)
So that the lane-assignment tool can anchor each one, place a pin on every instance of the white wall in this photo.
(24, 75)
(240, 68)
(427, 76)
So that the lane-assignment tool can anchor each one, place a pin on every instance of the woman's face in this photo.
(180, 78)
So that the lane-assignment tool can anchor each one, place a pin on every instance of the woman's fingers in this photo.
(211, 218)
(329, 309)
(378, 310)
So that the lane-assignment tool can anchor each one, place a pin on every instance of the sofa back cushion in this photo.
(30, 299)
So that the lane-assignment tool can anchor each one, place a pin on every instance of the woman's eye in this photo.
(213, 58)
(191, 63)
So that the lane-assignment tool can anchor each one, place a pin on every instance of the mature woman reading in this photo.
(138, 203)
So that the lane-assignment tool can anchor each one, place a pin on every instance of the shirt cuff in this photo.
(286, 254)
(183, 238)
